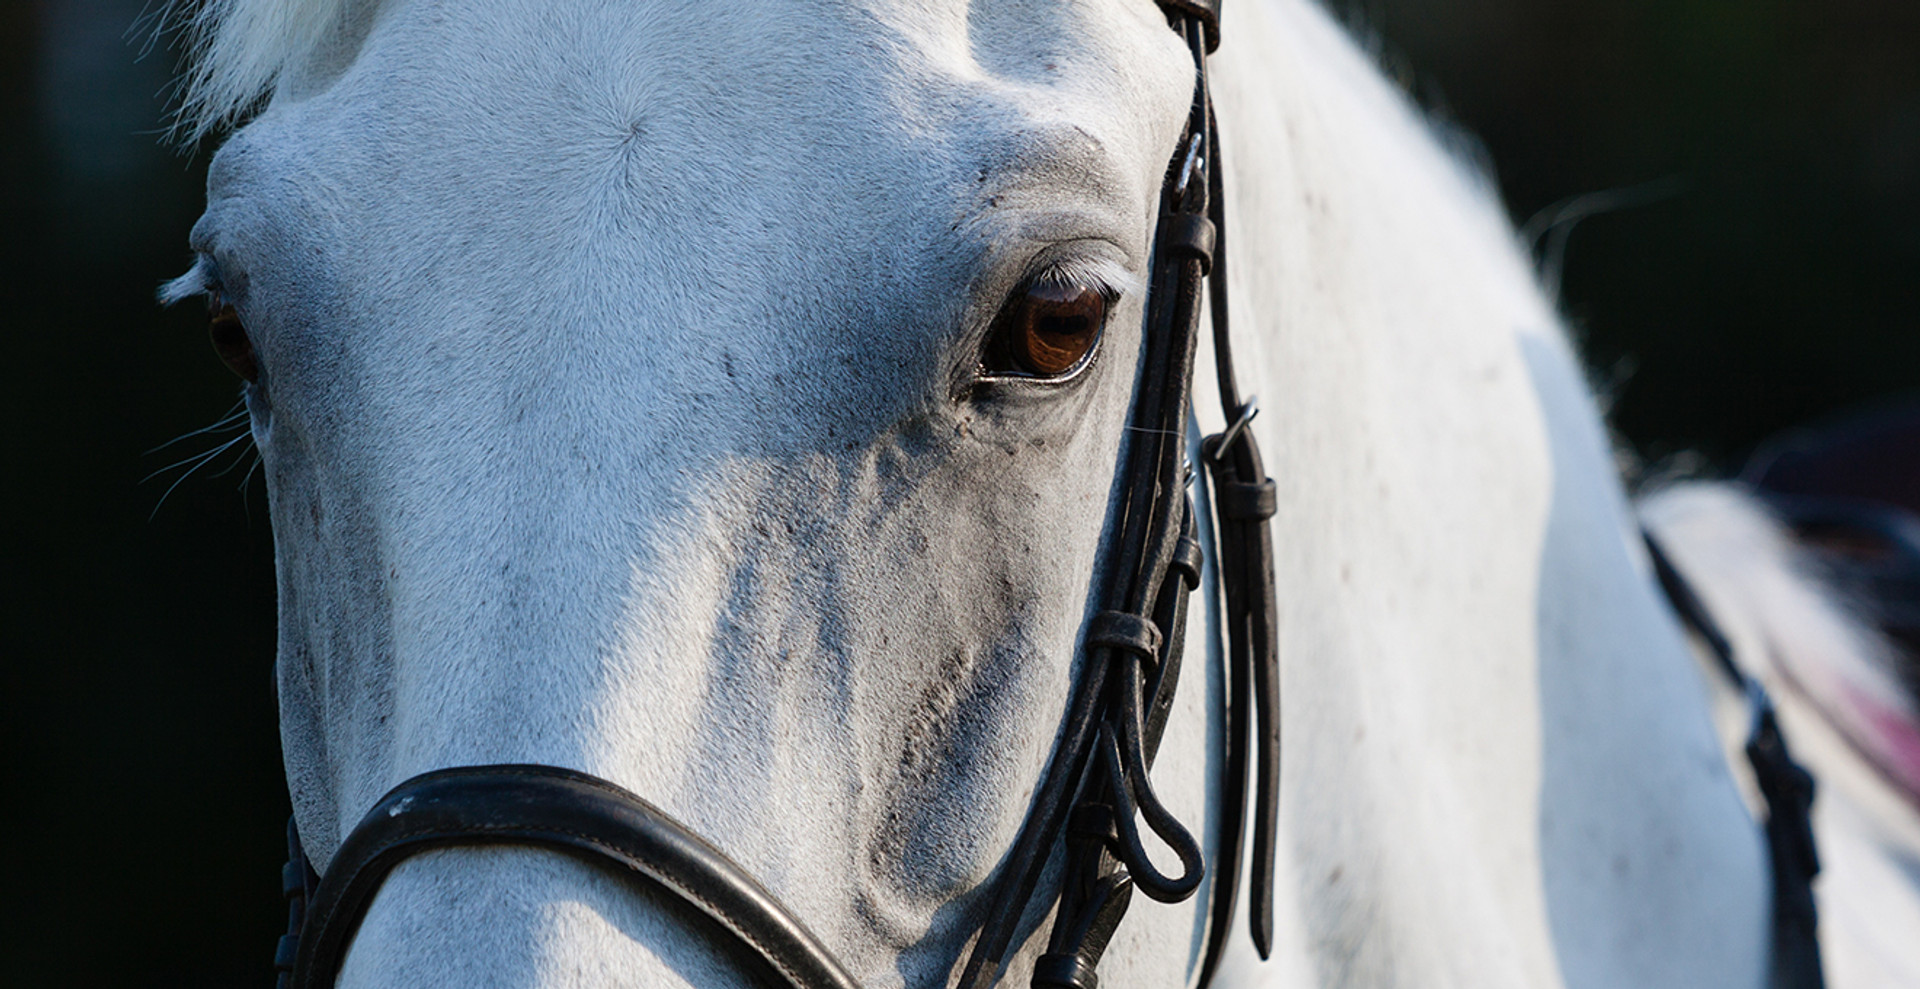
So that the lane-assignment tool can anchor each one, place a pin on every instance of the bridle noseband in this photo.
(561, 810)
(1095, 789)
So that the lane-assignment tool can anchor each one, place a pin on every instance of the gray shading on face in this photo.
(622, 405)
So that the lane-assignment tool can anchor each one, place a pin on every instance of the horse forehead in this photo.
(784, 179)
(845, 116)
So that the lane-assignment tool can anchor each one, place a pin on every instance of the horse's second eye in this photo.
(230, 341)
(1049, 329)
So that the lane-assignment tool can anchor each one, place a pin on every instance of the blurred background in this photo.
(1760, 268)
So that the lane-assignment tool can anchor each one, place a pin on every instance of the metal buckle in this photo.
(1187, 169)
(1248, 409)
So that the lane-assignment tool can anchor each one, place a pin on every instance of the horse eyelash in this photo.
(1105, 276)
(201, 279)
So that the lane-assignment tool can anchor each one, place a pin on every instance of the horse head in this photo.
(720, 401)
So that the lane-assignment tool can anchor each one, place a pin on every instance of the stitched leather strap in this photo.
(558, 810)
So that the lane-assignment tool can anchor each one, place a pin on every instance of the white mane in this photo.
(239, 50)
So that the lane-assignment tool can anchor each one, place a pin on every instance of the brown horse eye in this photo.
(231, 343)
(1051, 328)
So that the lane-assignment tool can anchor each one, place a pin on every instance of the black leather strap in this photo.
(1786, 787)
(1099, 770)
(1206, 12)
(297, 884)
(559, 810)
(1245, 501)
(1119, 630)
(1189, 235)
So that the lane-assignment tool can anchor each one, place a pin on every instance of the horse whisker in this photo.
(194, 464)
(232, 466)
(248, 476)
(231, 420)
(196, 460)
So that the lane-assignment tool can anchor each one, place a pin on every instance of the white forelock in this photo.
(238, 51)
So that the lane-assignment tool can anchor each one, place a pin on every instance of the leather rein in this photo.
(1095, 790)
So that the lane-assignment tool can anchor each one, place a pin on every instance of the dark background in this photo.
(1767, 276)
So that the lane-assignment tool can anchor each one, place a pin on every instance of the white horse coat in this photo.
(618, 412)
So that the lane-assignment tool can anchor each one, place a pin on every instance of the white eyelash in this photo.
(1102, 273)
(197, 281)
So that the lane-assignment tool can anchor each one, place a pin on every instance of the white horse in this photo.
(617, 382)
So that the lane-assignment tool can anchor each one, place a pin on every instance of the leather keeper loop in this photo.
(1058, 971)
(1188, 558)
(293, 879)
(1094, 821)
(1188, 235)
(285, 952)
(1127, 633)
(1244, 502)
(1207, 12)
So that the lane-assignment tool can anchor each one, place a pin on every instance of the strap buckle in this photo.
(1217, 450)
(1194, 164)
(1207, 12)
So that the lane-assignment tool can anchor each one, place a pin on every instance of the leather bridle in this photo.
(1095, 789)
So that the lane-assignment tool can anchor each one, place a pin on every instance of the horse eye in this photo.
(230, 341)
(1049, 329)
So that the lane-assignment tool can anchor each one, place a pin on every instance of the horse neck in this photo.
(1499, 768)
